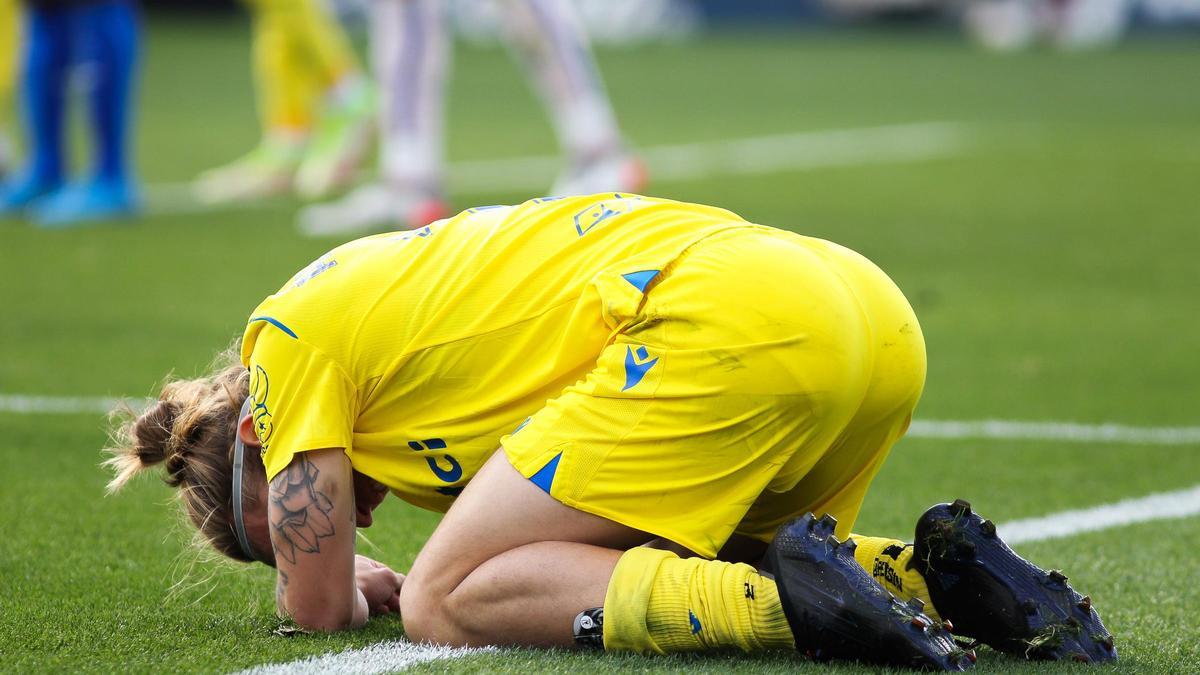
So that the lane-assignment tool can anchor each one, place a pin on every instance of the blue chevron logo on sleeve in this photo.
(637, 364)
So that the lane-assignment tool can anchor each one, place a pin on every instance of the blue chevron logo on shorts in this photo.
(637, 364)
(694, 621)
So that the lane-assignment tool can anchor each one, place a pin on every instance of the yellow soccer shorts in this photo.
(765, 374)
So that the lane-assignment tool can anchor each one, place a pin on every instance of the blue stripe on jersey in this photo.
(544, 478)
(274, 322)
(640, 280)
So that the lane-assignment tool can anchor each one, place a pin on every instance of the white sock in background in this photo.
(6, 153)
(410, 49)
(550, 42)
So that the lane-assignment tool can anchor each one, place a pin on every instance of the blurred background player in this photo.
(1007, 25)
(411, 51)
(316, 108)
(9, 45)
(103, 37)
(1010, 25)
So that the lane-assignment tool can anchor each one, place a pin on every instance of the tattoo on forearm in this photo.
(302, 515)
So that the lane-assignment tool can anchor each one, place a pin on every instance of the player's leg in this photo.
(523, 573)
(512, 575)
(320, 43)
(410, 46)
(411, 52)
(106, 34)
(287, 82)
(538, 573)
(552, 45)
(287, 90)
(344, 123)
(10, 44)
(43, 88)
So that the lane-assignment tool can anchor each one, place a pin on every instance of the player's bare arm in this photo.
(322, 585)
(300, 510)
(308, 503)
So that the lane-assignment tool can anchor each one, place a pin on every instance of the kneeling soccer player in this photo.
(669, 386)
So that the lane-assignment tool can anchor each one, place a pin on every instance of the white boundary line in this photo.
(1071, 432)
(383, 657)
(1068, 432)
(400, 654)
(24, 404)
(1157, 506)
(801, 151)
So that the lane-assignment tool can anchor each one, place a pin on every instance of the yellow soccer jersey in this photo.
(417, 351)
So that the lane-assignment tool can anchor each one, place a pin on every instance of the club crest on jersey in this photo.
(599, 212)
(260, 387)
(316, 267)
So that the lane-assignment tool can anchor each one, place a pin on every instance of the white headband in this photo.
(239, 452)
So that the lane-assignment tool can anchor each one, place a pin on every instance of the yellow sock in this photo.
(300, 51)
(10, 45)
(889, 561)
(326, 46)
(660, 603)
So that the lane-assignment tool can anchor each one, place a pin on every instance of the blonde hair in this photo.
(190, 429)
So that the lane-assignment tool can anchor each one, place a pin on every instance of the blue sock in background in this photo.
(47, 62)
(107, 34)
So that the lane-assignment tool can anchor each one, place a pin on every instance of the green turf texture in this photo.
(1053, 266)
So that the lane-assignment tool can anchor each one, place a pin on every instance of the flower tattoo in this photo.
(303, 510)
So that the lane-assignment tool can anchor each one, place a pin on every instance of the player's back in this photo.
(482, 270)
(457, 331)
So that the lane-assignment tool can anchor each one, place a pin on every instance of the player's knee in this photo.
(419, 609)
(434, 614)
(429, 614)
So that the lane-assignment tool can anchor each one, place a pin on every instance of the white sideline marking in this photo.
(22, 404)
(1157, 506)
(805, 150)
(755, 155)
(1070, 432)
(384, 657)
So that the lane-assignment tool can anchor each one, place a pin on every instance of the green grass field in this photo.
(1053, 264)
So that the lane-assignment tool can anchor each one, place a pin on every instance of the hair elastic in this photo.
(239, 453)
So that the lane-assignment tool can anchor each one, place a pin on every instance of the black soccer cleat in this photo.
(997, 597)
(836, 610)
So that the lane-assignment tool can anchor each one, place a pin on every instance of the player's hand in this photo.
(379, 584)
